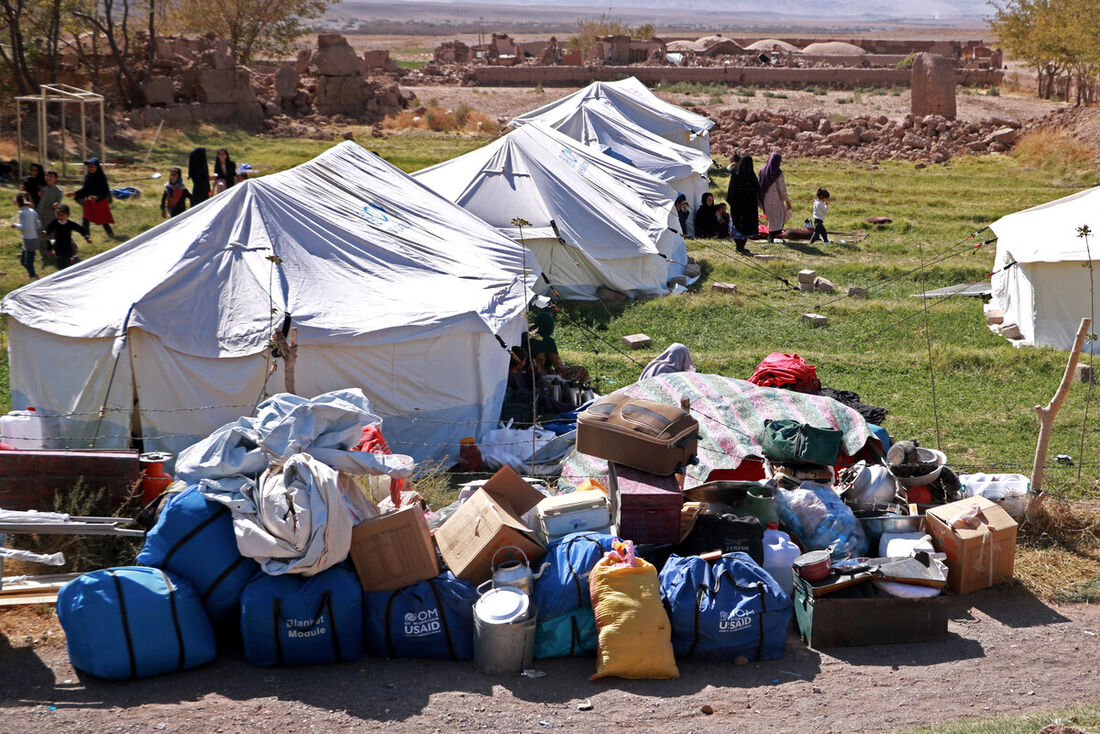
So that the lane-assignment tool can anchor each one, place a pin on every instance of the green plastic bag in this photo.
(791, 442)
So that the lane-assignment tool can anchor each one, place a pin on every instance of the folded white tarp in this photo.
(636, 103)
(587, 226)
(391, 288)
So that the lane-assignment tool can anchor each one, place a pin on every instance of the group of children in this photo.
(44, 220)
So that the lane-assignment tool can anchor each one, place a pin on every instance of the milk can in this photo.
(504, 631)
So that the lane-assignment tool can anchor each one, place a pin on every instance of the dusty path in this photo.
(1007, 653)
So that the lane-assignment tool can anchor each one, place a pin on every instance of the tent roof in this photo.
(553, 181)
(833, 48)
(600, 124)
(1049, 232)
(772, 44)
(356, 251)
(633, 99)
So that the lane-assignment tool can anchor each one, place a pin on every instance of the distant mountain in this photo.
(826, 10)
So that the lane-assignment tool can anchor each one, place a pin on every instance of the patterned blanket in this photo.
(731, 415)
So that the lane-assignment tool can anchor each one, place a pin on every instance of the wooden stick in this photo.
(289, 353)
(1046, 419)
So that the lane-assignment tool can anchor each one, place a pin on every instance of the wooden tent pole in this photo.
(1046, 419)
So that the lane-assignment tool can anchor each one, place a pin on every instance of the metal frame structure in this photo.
(64, 95)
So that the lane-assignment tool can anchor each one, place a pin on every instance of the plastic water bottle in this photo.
(779, 553)
(23, 429)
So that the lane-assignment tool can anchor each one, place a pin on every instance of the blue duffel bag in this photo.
(567, 625)
(721, 610)
(193, 538)
(298, 620)
(430, 619)
(133, 622)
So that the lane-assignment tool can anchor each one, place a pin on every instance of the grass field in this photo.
(985, 388)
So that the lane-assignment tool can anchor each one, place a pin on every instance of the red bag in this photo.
(373, 442)
(787, 371)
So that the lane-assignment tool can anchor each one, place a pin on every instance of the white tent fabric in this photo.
(589, 226)
(1047, 292)
(601, 125)
(635, 102)
(382, 278)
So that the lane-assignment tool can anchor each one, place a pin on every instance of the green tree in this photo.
(253, 28)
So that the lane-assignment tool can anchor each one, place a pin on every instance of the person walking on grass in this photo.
(95, 194)
(773, 195)
(821, 208)
(198, 170)
(176, 196)
(29, 225)
(50, 198)
(743, 197)
(62, 230)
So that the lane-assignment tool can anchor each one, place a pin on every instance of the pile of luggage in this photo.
(637, 571)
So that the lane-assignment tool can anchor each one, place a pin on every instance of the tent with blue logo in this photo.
(391, 288)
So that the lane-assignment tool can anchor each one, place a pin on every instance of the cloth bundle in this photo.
(788, 371)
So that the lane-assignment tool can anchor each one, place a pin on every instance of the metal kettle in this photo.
(512, 573)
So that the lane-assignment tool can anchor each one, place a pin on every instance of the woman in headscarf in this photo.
(744, 191)
(773, 195)
(95, 194)
(225, 171)
(544, 350)
(198, 170)
(706, 217)
(676, 358)
(175, 197)
(34, 183)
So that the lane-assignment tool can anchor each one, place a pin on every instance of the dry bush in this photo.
(462, 118)
(1059, 549)
(1057, 153)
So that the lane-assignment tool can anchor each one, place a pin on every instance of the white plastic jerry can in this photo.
(23, 429)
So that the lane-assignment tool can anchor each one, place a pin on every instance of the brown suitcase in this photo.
(654, 437)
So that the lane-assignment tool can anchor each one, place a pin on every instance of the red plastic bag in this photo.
(787, 371)
(373, 442)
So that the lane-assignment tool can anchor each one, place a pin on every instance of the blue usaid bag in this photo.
(567, 625)
(193, 538)
(430, 619)
(730, 608)
(298, 620)
(133, 622)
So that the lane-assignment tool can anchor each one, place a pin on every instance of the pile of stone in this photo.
(930, 139)
(195, 80)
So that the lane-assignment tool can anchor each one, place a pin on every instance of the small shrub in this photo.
(906, 63)
(440, 120)
(775, 95)
(819, 91)
(538, 89)
(844, 100)
(993, 92)
(687, 103)
(857, 96)
(745, 92)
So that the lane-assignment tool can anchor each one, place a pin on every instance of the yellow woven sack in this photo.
(635, 634)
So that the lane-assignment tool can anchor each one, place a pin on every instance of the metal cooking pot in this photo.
(813, 566)
(877, 523)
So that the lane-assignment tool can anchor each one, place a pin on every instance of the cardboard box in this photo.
(394, 550)
(976, 558)
(489, 520)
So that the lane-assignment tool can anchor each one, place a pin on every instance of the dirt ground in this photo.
(973, 105)
(1006, 653)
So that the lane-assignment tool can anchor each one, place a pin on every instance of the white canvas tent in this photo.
(1047, 292)
(600, 125)
(392, 289)
(588, 226)
(637, 104)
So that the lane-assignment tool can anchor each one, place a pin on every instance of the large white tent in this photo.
(1041, 277)
(589, 226)
(601, 125)
(391, 288)
(637, 104)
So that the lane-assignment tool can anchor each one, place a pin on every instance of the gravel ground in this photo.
(1006, 653)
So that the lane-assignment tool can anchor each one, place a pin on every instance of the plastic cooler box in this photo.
(573, 513)
(647, 507)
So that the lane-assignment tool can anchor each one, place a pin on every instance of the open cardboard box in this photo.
(976, 557)
(489, 520)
